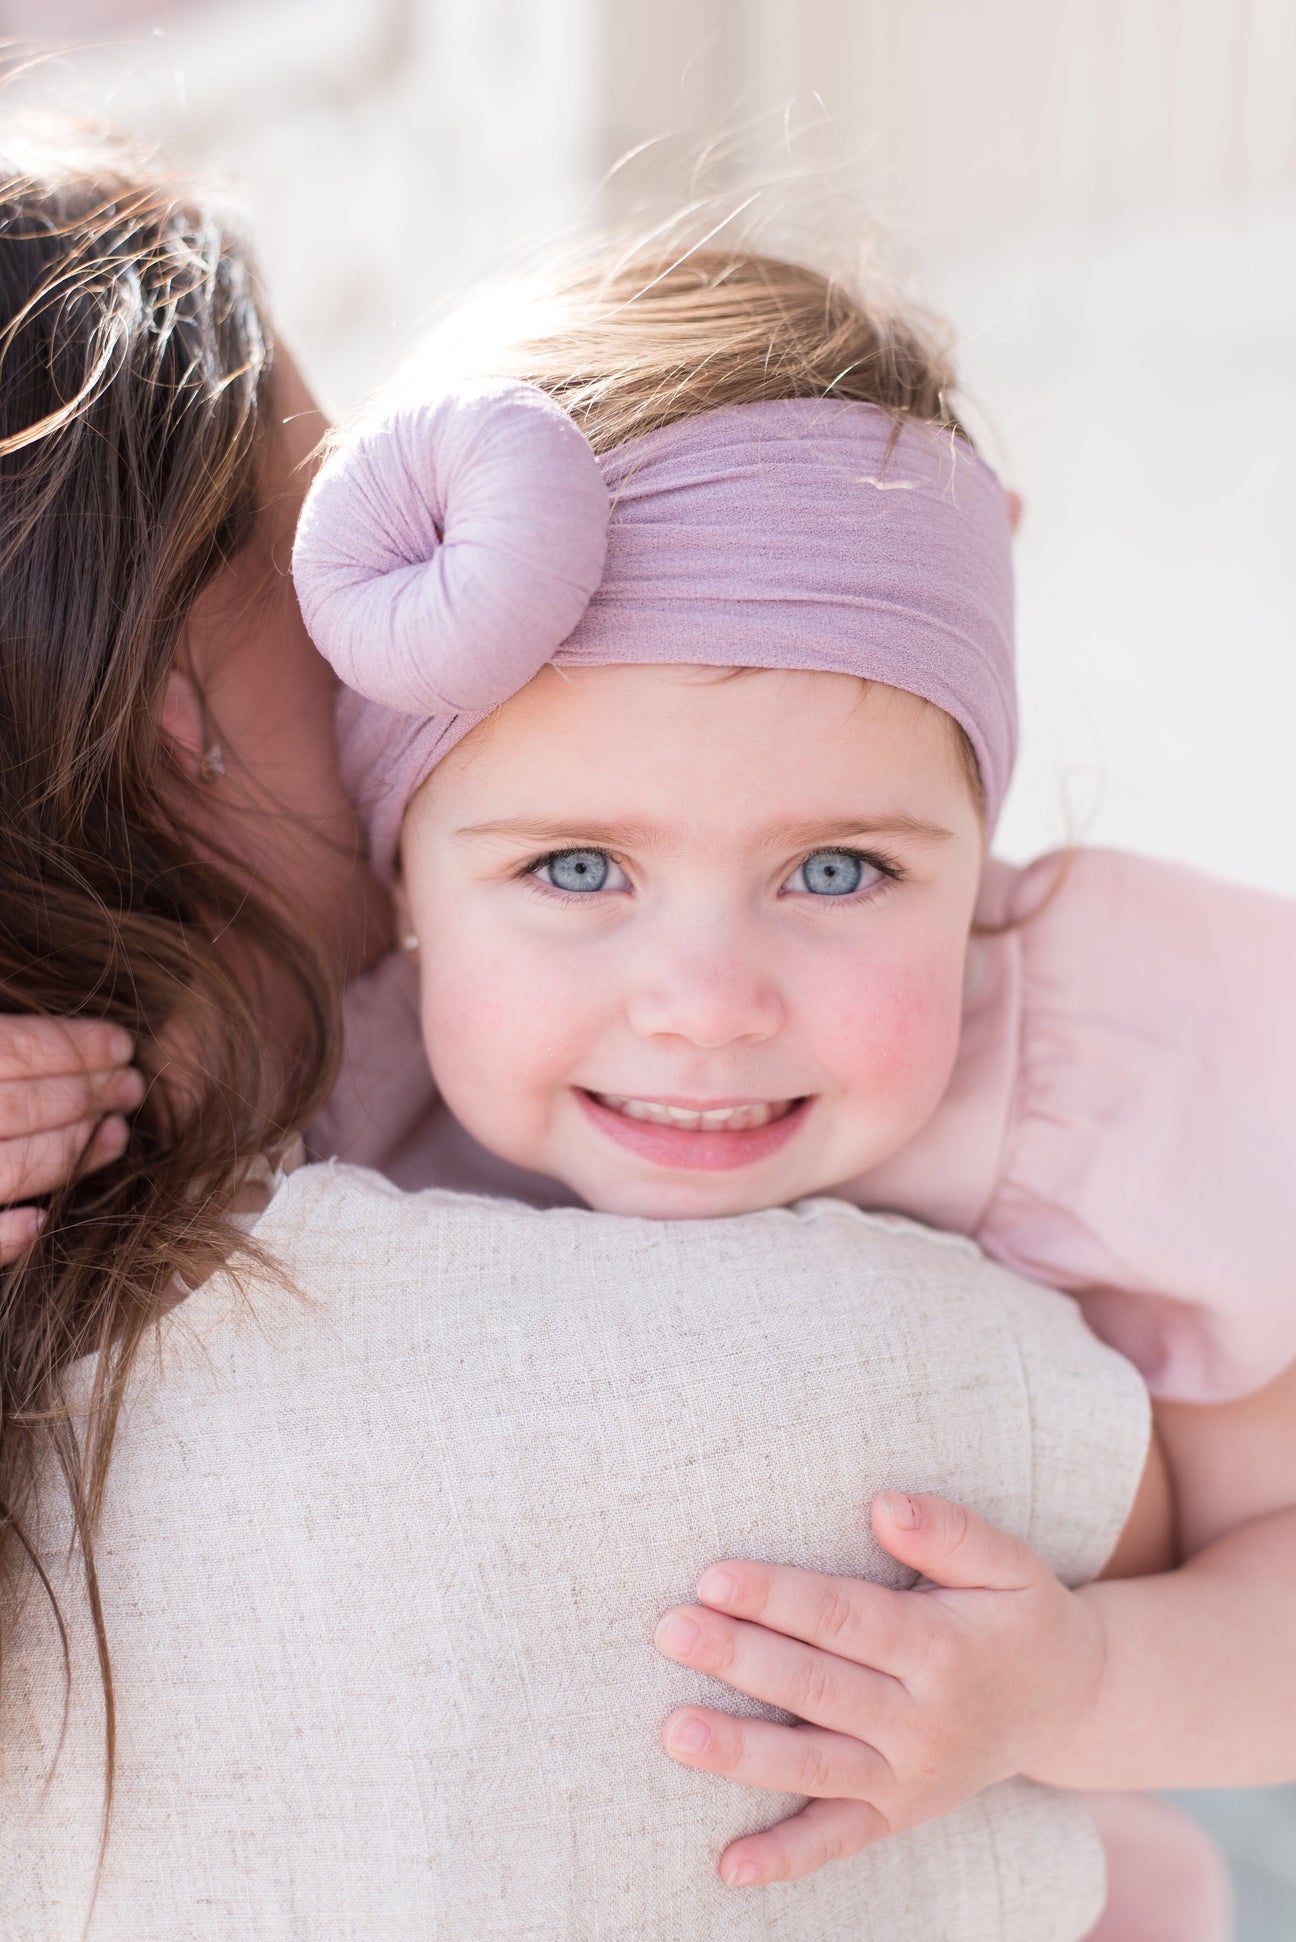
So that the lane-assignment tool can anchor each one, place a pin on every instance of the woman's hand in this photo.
(913, 1700)
(64, 1086)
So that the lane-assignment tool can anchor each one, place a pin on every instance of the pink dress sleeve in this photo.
(383, 1093)
(1120, 1120)
(384, 1112)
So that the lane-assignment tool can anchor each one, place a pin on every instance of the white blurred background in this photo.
(1100, 193)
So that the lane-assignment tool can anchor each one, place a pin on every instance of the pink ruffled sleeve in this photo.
(384, 1111)
(1120, 1121)
(384, 1093)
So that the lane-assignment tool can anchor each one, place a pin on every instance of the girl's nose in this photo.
(709, 998)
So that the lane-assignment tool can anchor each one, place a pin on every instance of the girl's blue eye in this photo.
(832, 873)
(576, 870)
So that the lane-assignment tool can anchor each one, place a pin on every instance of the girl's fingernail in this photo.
(122, 1045)
(112, 1135)
(742, 1874)
(718, 1588)
(36, 1219)
(903, 1511)
(127, 1090)
(677, 1637)
(688, 1736)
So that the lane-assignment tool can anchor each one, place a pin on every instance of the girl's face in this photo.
(694, 945)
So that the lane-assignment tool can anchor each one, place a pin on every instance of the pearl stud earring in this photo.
(211, 767)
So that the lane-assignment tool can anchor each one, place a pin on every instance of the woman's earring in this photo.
(409, 943)
(211, 764)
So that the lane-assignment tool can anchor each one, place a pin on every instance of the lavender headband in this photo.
(454, 546)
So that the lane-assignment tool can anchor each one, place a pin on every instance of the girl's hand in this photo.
(914, 1700)
(64, 1086)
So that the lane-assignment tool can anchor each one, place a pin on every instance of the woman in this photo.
(186, 876)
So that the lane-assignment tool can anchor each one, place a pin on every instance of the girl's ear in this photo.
(1014, 509)
(181, 720)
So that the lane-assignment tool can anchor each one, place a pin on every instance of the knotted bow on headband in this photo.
(452, 547)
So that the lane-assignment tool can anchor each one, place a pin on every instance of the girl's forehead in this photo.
(670, 746)
(682, 706)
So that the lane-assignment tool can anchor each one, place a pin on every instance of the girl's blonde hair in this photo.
(629, 340)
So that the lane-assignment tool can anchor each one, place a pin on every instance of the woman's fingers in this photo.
(815, 1685)
(43, 1105)
(826, 1830)
(868, 1623)
(783, 1759)
(41, 1162)
(37, 1048)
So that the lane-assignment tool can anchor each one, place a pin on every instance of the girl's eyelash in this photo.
(886, 864)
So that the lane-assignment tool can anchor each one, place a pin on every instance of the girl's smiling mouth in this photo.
(696, 1134)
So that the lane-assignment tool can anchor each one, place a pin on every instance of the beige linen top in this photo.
(383, 1554)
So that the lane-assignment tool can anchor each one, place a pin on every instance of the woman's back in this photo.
(378, 1565)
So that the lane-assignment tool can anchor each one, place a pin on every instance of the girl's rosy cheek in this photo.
(498, 1018)
(899, 1026)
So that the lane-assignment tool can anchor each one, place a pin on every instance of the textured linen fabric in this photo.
(382, 1558)
(448, 546)
(1118, 1124)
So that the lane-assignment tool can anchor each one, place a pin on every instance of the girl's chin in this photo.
(645, 1200)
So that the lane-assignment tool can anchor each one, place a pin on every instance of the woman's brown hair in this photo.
(135, 368)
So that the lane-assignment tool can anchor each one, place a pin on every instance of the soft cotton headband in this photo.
(454, 546)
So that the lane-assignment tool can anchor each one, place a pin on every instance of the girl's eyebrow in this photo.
(895, 823)
(649, 837)
(537, 829)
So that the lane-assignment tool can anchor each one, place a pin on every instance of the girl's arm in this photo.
(916, 1700)
(1199, 1676)
(64, 1086)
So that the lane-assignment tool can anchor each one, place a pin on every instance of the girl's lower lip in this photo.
(676, 1147)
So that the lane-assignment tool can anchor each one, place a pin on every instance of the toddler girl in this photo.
(682, 704)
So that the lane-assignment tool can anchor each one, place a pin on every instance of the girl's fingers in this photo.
(783, 1759)
(42, 1162)
(952, 1546)
(871, 1624)
(816, 1686)
(108, 1142)
(43, 1105)
(19, 1227)
(826, 1830)
(38, 1048)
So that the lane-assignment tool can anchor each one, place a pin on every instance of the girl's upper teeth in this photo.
(715, 1119)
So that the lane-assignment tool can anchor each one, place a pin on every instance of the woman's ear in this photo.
(181, 721)
(1015, 509)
